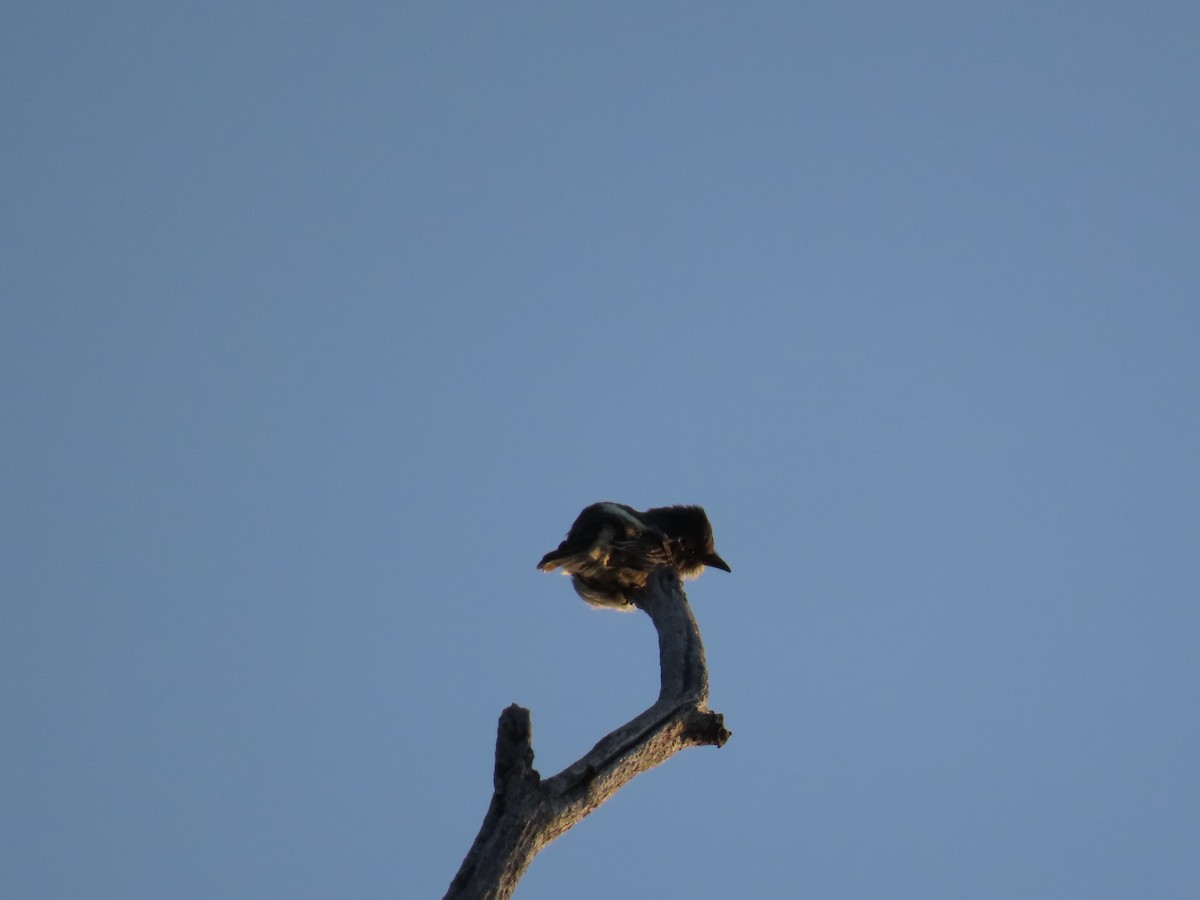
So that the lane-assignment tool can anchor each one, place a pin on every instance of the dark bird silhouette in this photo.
(611, 549)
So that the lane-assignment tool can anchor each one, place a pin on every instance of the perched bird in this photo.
(612, 548)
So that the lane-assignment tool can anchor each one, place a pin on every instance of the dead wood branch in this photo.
(527, 812)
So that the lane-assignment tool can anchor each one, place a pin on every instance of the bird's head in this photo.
(691, 538)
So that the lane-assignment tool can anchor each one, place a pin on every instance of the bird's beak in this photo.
(716, 562)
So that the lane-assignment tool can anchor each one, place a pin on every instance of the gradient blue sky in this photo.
(321, 321)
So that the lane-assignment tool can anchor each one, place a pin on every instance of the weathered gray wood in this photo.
(526, 813)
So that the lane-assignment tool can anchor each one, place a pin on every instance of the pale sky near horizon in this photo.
(321, 322)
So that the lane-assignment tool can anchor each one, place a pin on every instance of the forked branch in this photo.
(526, 813)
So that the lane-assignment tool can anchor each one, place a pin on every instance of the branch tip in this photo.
(707, 727)
(514, 746)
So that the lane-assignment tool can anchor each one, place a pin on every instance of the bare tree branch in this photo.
(526, 813)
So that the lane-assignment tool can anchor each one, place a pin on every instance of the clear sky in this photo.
(320, 322)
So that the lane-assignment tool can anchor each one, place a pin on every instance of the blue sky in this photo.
(320, 323)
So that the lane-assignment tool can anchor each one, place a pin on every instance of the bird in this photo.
(612, 548)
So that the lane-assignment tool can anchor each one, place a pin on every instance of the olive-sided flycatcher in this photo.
(612, 548)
